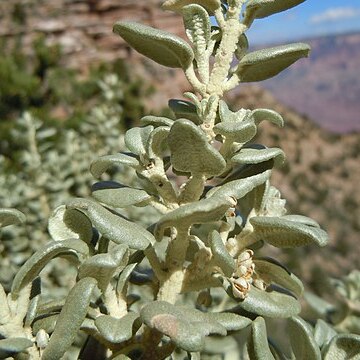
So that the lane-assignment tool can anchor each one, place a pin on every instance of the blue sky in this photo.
(311, 18)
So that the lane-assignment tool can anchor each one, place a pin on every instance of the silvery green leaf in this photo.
(302, 339)
(323, 333)
(262, 8)
(239, 188)
(11, 217)
(343, 347)
(162, 47)
(156, 121)
(301, 219)
(156, 144)
(265, 303)
(186, 327)
(226, 115)
(258, 346)
(70, 319)
(197, 26)
(202, 211)
(266, 63)
(113, 227)
(136, 139)
(272, 273)
(191, 152)
(123, 278)
(231, 322)
(69, 224)
(319, 305)
(220, 254)
(242, 47)
(31, 269)
(12, 346)
(103, 163)
(117, 330)
(119, 196)
(177, 5)
(46, 322)
(255, 156)
(240, 132)
(185, 109)
(103, 266)
(260, 115)
(285, 233)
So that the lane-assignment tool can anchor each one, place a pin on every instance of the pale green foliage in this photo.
(196, 279)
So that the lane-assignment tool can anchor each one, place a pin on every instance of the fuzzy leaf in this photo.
(266, 63)
(113, 227)
(258, 346)
(177, 5)
(231, 322)
(200, 212)
(11, 217)
(255, 156)
(343, 347)
(323, 333)
(136, 139)
(100, 165)
(156, 144)
(5, 313)
(184, 109)
(158, 45)
(31, 269)
(240, 132)
(191, 152)
(239, 188)
(119, 196)
(10, 347)
(198, 27)
(117, 330)
(103, 266)
(186, 327)
(285, 233)
(263, 8)
(302, 340)
(260, 115)
(242, 47)
(70, 319)
(123, 278)
(156, 121)
(264, 303)
(69, 224)
(221, 255)
(270, 272)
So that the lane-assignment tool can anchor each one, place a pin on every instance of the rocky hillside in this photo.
(319, 180)
(325, 87)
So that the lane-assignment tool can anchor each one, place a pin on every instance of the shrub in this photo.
(196, 284)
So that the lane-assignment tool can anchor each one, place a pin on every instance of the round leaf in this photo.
(266, 63)
(240, 132)
(191, 152)
(156, 121)
(343, 347)
(160, 46)
(260, 115)
(136, 139)
(255, 156)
